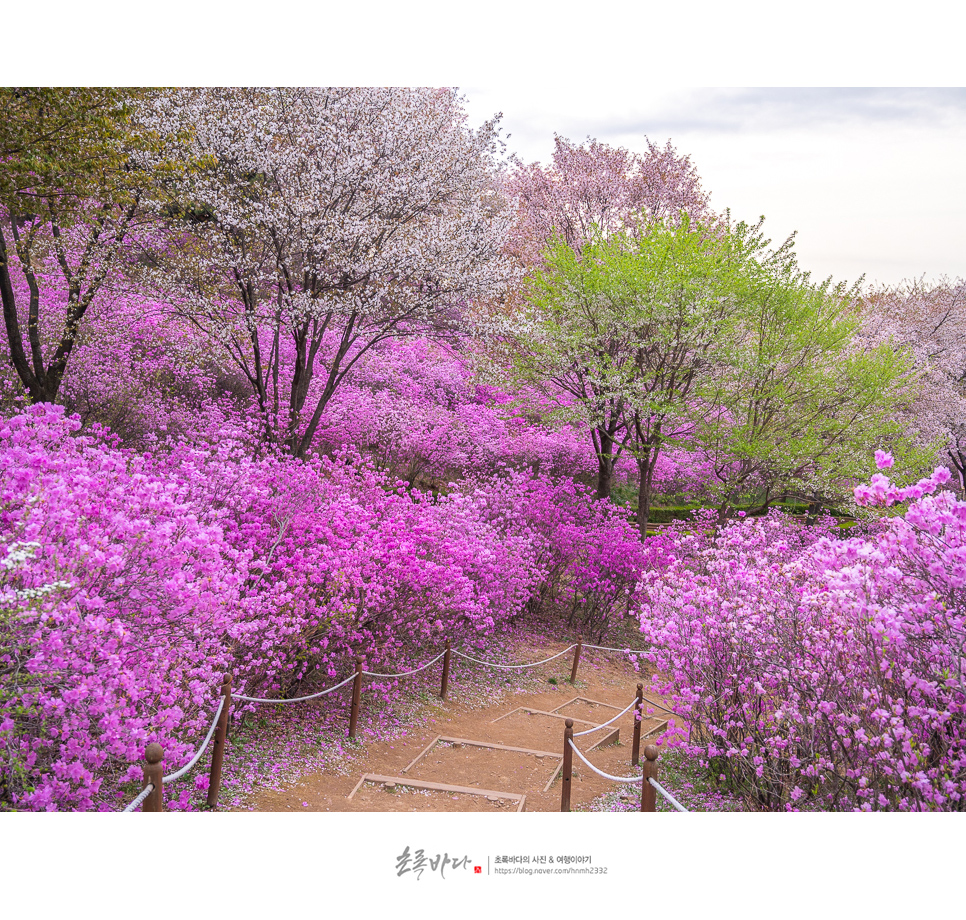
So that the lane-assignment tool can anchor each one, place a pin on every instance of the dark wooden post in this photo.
(356, 694)
(638, 718)
(648, 792)
(218, 752)
(568, 766)
(154, 773)
(446, 655)
(580, 645)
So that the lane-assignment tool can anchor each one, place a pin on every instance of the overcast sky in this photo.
(873, 180)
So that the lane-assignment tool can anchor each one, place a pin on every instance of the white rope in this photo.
(628, 779)
(406, 673)
(508, 667)
(630, 651)
(142, 795)
(201, 750)
(298, 699)
(616, 779)
(597, 728)
(667, 795)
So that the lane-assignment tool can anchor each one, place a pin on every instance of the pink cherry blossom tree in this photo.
(930, 322)
(596, 185)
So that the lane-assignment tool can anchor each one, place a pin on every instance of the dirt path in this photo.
(608, 681)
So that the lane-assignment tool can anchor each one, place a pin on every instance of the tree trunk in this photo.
(645, 468)
(18, 357)
(763, 508)
(605, 464)
(643, 496)
(959, 462)
(646, 462)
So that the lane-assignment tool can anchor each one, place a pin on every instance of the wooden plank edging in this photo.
(421, 754)
(498, 747)
(584, 699)
(438, 787)
(541, 712)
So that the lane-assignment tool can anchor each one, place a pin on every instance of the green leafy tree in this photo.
(799, 405)
(55, 141)
(706, 337)
(76, 169)
(627, 326)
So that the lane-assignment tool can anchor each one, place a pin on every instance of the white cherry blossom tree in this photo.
(330, 220)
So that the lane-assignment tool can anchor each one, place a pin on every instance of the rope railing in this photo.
(616, 779)
(154, 778)
(312, 696)
(607, 648)
(597, 728)
(667, 794)
(151, 796)
(142, 795)
(648, 778)
(512, 667)
(297, 699)
(406, 673)
(628, 779)
(214, 724)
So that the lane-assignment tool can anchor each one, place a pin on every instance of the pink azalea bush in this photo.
(112, 593)
(813, 671)
(142, 372)
(132, 582)
(588, 554)
(414, 408)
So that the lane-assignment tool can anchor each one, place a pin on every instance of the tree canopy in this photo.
(332, 220)
(76, 170)
(800, 405)
(702, 335)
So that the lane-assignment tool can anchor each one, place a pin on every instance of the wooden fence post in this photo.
(580, 645)
(356, 693)
(218, 752)
(446, 655)
(648, 792)
(638, 718)
(568, 766)
(154, 773)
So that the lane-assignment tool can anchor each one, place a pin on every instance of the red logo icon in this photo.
(478, 870)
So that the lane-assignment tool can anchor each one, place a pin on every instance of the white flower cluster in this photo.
(16, 556)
